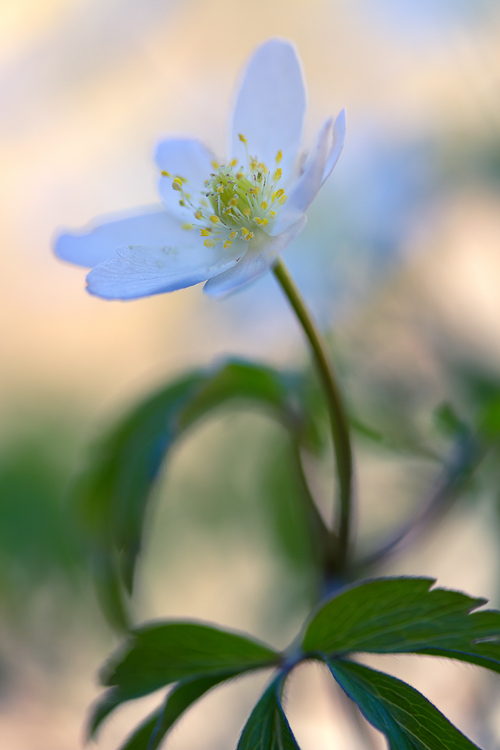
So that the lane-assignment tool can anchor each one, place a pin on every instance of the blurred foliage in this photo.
(38, 543)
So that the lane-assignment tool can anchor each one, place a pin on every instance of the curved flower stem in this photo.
(338, 417)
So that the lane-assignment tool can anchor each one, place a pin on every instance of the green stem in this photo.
(338, 417)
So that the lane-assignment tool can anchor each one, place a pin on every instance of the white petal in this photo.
(259, 258)
(270, 106)
(337, 144)
(143, 271)
(187, 158)
(303, 192)
(152, 226)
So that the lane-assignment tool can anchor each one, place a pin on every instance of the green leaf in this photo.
(244, 381)
(156, 655)
(398, 615)
(149, 735)
(113, 495)
(268, 728)
(408, 720)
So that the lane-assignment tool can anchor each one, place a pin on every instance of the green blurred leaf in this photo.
(149, 735)
(408, 720)
(114, 493)
(158, 654)
(268, 728)
(448, 421)
(489, 421)
(398, 615)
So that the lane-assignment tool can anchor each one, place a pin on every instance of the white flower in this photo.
(221, 222)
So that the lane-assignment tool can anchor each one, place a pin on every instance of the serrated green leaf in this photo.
(149, 735)
(398, 615)
(408, 720)
(268, 728)
(159, 654)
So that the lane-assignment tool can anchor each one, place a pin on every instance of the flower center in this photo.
(236, 202)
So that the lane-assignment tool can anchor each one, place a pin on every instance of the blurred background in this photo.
(400, 262)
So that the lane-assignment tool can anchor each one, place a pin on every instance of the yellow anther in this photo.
(209, 243)
(203, 202)
(187, 226)
(233, 235)
(177, 183)
(279, 157)
(239, 175)
(233, 201)
(262, 167)
(263, 205)
(205, 232)
(283, 200)
(182, 202)
(214, 219)
(244, 232)
(279, 193)
(253, 191)
(253, 164)
(258, 221)
(215, 164)
(227, 244)
(220, 188)
(164, 173)
(247, 212)
(277, 174)
(265, 222)
(198, 214)
(272, 214)
(249, 236)
(233, 162)
(242, 138)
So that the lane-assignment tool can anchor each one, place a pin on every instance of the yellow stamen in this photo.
(214, 219)
(242, 138)
(209, 243)
(227, 244)
(239, 175)
(253, 191)
(187, 226)
(265, 222)
(279, 157)
(263, 205)
(233, 201)
(198, 214)
(277, 174)
(164, 173)
(220, 188)
(177, 183)
(233, 235)
(283, 200)
(262, 167)
(233, 163)
(182, 202)
(215, 164)
(247, 212)
(205, 232)
(272, 214)
(258, 221)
